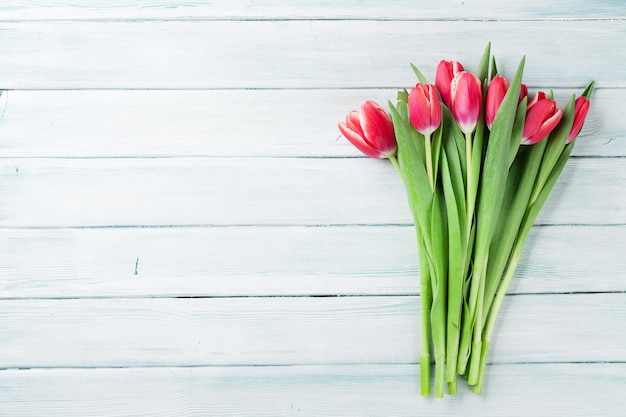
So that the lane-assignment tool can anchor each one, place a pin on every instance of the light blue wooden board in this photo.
(158, 114)
(302, 9)
(562, 390)
(288, 260)
(130, 332)
(152, 123)
(300, 54)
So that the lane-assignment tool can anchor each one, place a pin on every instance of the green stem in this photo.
(478, 388)
(396, 165)
(495, 309)
(467, 326)
(471, 199)
(429, 160)
(425, 304)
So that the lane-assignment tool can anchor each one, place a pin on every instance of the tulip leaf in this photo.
(518, 129)
(421, 77)
(439, 280)
(403, 96)
(483, 67)
(520, 182)
(412, 163)
(494, 67)
(587, 92)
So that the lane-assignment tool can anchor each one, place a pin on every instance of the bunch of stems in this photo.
(473, 198)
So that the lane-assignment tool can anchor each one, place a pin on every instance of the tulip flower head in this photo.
(495, 94)
(581, 107)
(466, 98)
(542, 116)
(370, 130)
(446, 71)
(424, 108)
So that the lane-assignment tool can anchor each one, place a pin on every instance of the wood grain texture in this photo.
(278, 261)
(293, 54)
(258, 191)
(359, 390)
(301, 9)
(149, 123)
(184, 233)
(291, 330)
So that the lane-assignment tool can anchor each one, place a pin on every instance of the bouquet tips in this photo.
(478, 157)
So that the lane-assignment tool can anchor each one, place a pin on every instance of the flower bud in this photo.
(466, 96)
(495, 94)
(542, 116)
(446, 70)
(424, 108)
(370, 130)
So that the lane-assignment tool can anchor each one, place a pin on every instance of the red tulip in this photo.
(466, 95)
(446, 71)
(424, 108)
(495, 94)
(370, 130)
(581, 107)
(542, 116)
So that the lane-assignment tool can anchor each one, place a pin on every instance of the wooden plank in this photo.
(291, 330)
(281, 261)
(273, 9)
(149, 123)
(258, 191)
(292, 54)
(358, 390)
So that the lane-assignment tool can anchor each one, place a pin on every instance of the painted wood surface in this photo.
(278, 261)
(184, 232)
(356, 390)
(301, 9)
(297, 54)
(209, 123)
(263, 331)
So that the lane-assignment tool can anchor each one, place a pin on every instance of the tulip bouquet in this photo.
(478, 158)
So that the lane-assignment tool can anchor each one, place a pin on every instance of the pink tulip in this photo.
(542, 116)
(466, 96)
(495, 94)
(370, 130)
(581, 107)
(446, 71)
(424, 108)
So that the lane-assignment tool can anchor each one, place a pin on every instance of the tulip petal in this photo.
(377, 128)
(424, 108)
(466, 100)
(358, 141)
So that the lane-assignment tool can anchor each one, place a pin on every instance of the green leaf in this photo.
(518, 129)
(519, 186)
(403, 96)
(411, 158)
(589, 90)
(421, 77)
(483, 67)
(494, 68)
(439, 278)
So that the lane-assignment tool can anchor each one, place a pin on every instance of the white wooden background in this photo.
(183, 232)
